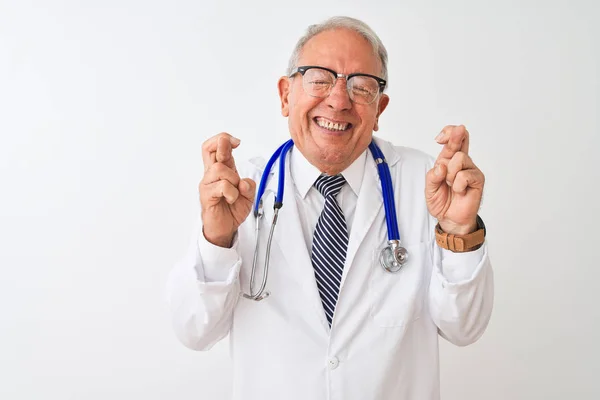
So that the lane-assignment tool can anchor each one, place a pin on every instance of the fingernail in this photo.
(235, 140)
(244, 186)
(439, 136)
(448, 183)
(438, 170)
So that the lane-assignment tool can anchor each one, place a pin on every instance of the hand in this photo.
(454, 186)
(226, 200)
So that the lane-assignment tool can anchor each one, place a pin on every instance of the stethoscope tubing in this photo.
(284, 148)
(385, 177)
(387, 193)
(394, 249)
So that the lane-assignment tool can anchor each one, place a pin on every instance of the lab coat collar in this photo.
(389, 152)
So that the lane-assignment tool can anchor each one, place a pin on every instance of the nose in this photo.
(339, 99)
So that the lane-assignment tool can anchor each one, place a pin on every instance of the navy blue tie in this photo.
(330, 243)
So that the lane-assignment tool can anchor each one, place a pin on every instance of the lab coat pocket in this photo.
(397, 298)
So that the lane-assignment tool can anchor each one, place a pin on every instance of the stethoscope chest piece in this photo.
(393, 256)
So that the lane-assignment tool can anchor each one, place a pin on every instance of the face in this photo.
(332, 150)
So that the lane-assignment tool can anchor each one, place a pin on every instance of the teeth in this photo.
(331, 125)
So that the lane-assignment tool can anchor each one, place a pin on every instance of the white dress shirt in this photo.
(310, 201)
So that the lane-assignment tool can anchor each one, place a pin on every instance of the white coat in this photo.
(383, 343)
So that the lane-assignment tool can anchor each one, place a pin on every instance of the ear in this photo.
(284, 85)
(383, 102)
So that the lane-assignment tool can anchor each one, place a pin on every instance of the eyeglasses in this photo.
(319, 81)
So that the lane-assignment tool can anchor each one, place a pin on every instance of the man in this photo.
(336, 325)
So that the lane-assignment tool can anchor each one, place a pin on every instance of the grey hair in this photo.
(342, 22)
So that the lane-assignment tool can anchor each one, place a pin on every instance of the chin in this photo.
(331, 158)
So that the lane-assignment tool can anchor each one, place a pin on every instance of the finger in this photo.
(223, 153)
(444, 135)
(209, 148)
(458, 162)
(214, 192)
(219, 171)
(468, 178)
(247, 188)
(435, 178)
(454, 139)
(456, 136)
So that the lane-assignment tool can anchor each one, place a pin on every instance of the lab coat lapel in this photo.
(368, 206)
(370, 202)
(289, 238)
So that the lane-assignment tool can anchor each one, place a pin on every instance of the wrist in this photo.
(220, 241)
(455, 229)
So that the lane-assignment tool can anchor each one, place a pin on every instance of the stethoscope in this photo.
(392, 257)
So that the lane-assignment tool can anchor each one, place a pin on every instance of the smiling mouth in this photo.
(331, 125)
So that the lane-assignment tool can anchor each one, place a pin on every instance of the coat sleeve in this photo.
(461, 287)
(203, 288)
(461, 293)
(202, 292)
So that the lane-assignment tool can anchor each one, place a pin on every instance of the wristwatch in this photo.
(461, 243)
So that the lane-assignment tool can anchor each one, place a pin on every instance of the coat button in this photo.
(333, 363)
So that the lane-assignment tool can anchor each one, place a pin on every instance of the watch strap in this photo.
(461, 243)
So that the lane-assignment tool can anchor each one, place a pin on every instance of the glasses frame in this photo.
(302, 70)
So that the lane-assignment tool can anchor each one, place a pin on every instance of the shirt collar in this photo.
(305, 174)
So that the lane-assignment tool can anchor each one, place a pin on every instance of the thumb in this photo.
(247, 188)
(436, 177)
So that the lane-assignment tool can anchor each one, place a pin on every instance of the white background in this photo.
(104, 106)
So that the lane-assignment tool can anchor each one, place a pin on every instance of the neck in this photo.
(329, 168)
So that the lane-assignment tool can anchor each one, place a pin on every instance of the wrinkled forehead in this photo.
(342, 50)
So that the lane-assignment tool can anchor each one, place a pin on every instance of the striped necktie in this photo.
(330, 243)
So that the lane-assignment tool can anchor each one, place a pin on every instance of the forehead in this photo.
(342, 50)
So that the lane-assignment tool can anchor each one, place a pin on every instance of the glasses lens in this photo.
(318, 82)
(363, 89)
